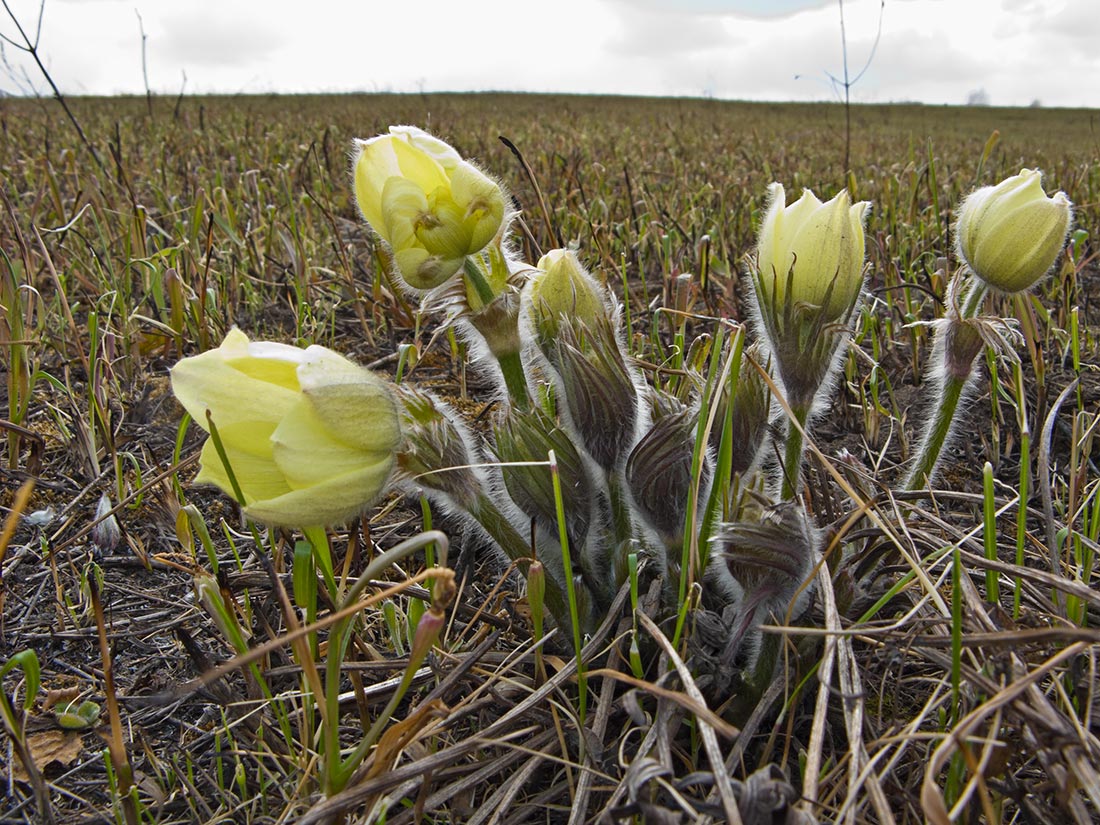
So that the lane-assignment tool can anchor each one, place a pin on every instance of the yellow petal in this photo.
(404, 206)
(443, 153)
(443, 230)
(334, 501)
(306, 453)
(422, 270)
(376, 163)
(208, 382)
(354, 405)
(482, 202)
(259, 478)
(418, 166)
(768, 252)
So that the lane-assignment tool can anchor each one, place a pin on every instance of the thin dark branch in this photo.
(874, 46)
(31, 48)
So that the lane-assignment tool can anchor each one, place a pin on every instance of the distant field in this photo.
(181, 218)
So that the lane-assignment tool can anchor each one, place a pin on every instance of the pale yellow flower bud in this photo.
(310, 437)
(431, 206)
(562, 287)
(1011, 234)
(815, 249)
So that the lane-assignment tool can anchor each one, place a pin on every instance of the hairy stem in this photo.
(936, 433)
(792, 455)
(952, 384)
(511, 367)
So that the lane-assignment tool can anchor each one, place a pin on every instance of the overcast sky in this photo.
(1012, 52)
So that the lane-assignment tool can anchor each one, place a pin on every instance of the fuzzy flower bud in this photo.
(439, 451)
(749, 416)
(808, 280)
(600, 395)
(431, 206)
(772, 557)
(812, 252)
(1011, 234)
(561, 287)
(526, 437)
(106, 534)
(309, 436)
(659, 470)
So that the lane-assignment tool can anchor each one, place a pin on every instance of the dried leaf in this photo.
(47, 748)
(60, 696)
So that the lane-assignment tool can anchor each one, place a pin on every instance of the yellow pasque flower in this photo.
(310, 436)
(562, 287)
(1011, 234)
(814, 248)
(431, 206)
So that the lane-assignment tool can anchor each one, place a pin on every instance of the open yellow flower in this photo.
(1012, 233)
(431, 206)
(310, 436)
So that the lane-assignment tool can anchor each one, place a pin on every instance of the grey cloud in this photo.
(1077, 25)
(1031, 7)
(906, 66)
(903, 57)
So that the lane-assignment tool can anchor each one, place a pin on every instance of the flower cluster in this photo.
(591, 470)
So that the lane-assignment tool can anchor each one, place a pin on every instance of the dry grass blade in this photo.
(599, 732)
(1044, 482)
(493, 808)
(500, 732)
(931, 795)
(853, 700)
(706, 729)
(690, 700)
(479, 777)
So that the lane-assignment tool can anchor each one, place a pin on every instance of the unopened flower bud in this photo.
(600, 396)
(812, 252)
(438, 452)
(526, 437)
(561, 287)
(659, 472)
(429, 627)
(749, 417)
(106, 533)
(1011, 234)
(773, 556)
(807, 283)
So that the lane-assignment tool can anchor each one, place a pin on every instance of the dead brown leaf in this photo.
(49, 747)
(59, 696)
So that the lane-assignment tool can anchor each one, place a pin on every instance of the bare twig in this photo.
(31, 47)
(145, 64)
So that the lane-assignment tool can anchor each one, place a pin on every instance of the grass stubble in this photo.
(947, 669)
